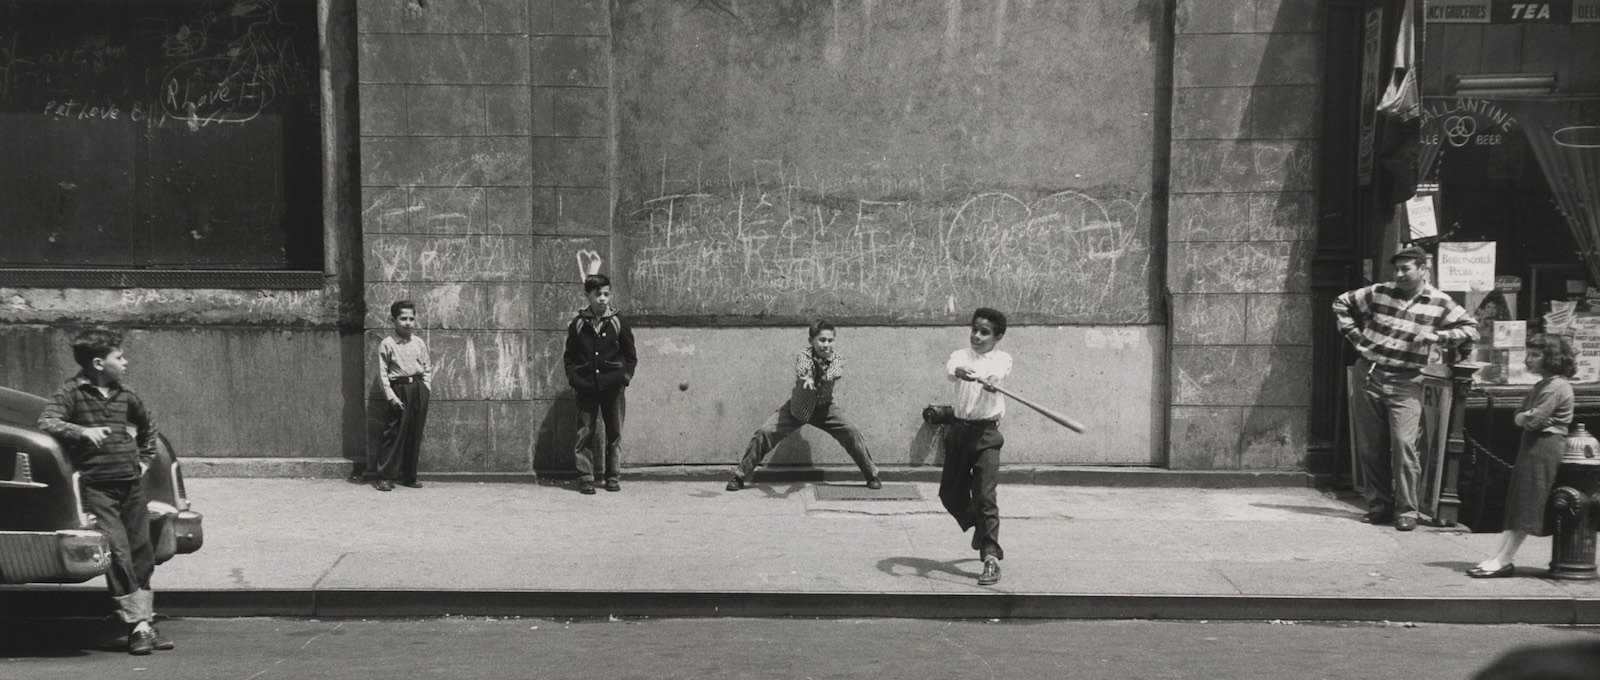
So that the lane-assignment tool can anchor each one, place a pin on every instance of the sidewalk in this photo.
(320, 547)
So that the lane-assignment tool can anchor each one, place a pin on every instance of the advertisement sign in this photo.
(1511, 12)
(1466, 265)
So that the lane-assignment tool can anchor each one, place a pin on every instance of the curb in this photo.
(1054, 475)
(53, 604)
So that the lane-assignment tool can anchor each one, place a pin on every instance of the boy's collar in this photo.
(82, 378)
(586, 313)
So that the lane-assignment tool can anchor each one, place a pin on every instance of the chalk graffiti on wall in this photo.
(902, 247)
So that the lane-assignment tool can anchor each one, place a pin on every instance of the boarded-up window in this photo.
(165, 134)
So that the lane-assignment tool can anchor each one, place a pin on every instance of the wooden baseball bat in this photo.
(1047, 412)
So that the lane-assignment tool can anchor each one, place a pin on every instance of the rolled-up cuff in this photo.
(137, 606)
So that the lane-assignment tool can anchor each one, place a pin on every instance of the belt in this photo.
(977, 423)
(405, 379)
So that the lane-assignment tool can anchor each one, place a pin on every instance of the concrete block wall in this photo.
(1242, 218)
(485, 146)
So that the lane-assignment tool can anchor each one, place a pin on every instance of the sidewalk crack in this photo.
(317, 585)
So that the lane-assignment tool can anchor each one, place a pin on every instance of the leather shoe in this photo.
(991, 572)
(735, 484)
(141, 642)
(613, 485)
(1506, 571)
(1377, 517)
(413, 484)
(586, 487)
(162, 643)
(1405, 523)
(383, 485)
(874, 483)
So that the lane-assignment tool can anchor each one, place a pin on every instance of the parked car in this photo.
(45, 534)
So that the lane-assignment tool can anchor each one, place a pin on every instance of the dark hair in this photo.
(394, 309)
(994, 316)
(820, 325)
(594, 282)
(1559, 358)
(95, 343)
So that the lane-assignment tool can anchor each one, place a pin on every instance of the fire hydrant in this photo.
(1574, 504)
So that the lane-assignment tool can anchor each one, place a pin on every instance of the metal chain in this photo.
(1478, 448)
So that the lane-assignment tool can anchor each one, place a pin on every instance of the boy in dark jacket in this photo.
(91, 414)
(600, 359)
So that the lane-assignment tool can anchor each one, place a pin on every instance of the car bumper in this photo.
(71, 556)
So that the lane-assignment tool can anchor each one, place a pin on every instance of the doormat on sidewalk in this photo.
(859, 492)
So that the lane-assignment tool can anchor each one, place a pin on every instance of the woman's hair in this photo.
(1558, 356)
(820, 325)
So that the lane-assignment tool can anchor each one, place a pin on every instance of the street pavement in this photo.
(325, 547)
(704, 648)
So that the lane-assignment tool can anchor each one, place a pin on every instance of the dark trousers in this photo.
(827, 417)
(402, 436)
(969, 487)
(124, 518)
(608, 407)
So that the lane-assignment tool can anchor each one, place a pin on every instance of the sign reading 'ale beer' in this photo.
(1511, 12)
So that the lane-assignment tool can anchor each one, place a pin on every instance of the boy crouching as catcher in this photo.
(90, 415)
(972, 441)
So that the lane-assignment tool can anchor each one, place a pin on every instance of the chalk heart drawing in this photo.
(791, 250)
(588, 263)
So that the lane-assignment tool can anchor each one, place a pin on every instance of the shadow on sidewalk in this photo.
(923, 567)
(1310, 510)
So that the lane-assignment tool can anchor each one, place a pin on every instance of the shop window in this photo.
(160, 135)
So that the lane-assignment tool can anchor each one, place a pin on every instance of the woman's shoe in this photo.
(1503, 572)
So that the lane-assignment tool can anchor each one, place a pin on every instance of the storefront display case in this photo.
(1508, 154)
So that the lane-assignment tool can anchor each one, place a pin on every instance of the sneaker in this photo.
(735, 484)
(991, 572)
(613, 485)
(162, 643)
(586, 487)
(874, 483)
(141, 642)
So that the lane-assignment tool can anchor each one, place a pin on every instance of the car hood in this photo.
(20, 409)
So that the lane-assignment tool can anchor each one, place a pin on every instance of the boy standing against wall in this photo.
(968, 487)
(91, 414)
(406, 372)
(600, 359)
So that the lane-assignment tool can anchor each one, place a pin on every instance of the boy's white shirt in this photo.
(972, 401)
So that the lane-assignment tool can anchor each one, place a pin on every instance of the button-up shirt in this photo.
(823, 373)
(79, 405)
(399, 358)
(973, 402)
(1383, 325)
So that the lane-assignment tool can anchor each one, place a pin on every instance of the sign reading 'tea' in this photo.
(1511, 12)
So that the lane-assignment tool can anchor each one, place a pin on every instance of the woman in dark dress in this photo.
(1544, 417)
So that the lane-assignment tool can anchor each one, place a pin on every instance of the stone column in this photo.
(484, 153)
(1241, 229)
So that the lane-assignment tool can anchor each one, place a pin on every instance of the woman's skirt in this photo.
(1531, 480)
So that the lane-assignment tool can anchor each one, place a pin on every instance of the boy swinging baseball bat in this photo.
(1047, 412)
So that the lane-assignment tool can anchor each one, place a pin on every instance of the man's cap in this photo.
(1413, 253)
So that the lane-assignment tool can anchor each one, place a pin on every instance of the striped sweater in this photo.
(1383, 326)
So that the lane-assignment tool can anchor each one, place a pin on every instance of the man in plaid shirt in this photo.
(1393, 326)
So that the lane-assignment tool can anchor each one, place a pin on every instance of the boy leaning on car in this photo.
(90, 415)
